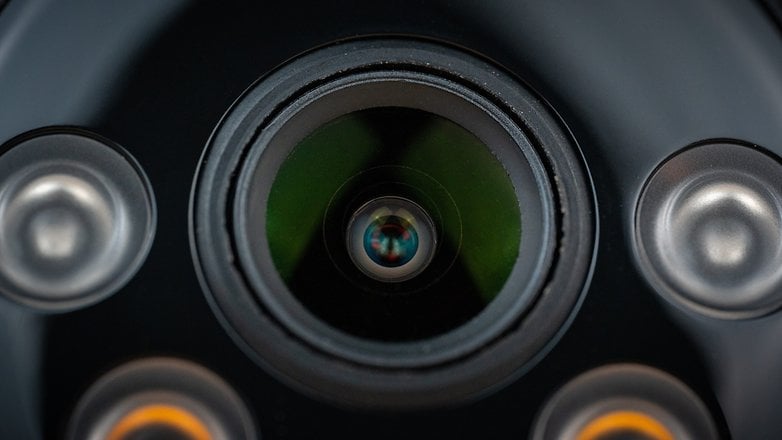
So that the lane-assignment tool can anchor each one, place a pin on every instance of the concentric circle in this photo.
(161, 398)
(624, 401)
(709, 230)
(460, 304)
(77, 218)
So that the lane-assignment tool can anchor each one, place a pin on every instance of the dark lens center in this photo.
(391, 241)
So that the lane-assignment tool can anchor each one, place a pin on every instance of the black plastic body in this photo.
(634, 82)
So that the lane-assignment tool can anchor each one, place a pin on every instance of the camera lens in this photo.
(384, 241)
(400, 226)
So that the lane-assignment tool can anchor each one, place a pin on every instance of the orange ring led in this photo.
(166, 415)
(623, 421)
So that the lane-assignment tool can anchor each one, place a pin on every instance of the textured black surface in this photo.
(634, 81)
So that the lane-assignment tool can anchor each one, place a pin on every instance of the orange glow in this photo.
(624, 421)
(160, 415)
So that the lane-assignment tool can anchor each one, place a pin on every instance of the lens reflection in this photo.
(391, 239)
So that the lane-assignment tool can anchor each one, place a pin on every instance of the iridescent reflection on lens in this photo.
(391, 241)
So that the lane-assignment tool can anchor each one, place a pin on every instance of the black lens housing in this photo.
(240, 163)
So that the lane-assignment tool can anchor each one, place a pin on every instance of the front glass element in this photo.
(443, 240)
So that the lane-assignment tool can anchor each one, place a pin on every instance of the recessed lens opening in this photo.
(393, 224)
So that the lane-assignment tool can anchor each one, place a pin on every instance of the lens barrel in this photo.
(415, 222)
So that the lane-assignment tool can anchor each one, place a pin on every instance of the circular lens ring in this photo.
(350, 383)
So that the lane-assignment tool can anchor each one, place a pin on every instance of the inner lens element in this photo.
(380, 218)
(391, 239)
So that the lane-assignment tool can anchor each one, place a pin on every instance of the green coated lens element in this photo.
(391, 241)
(460, 235)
